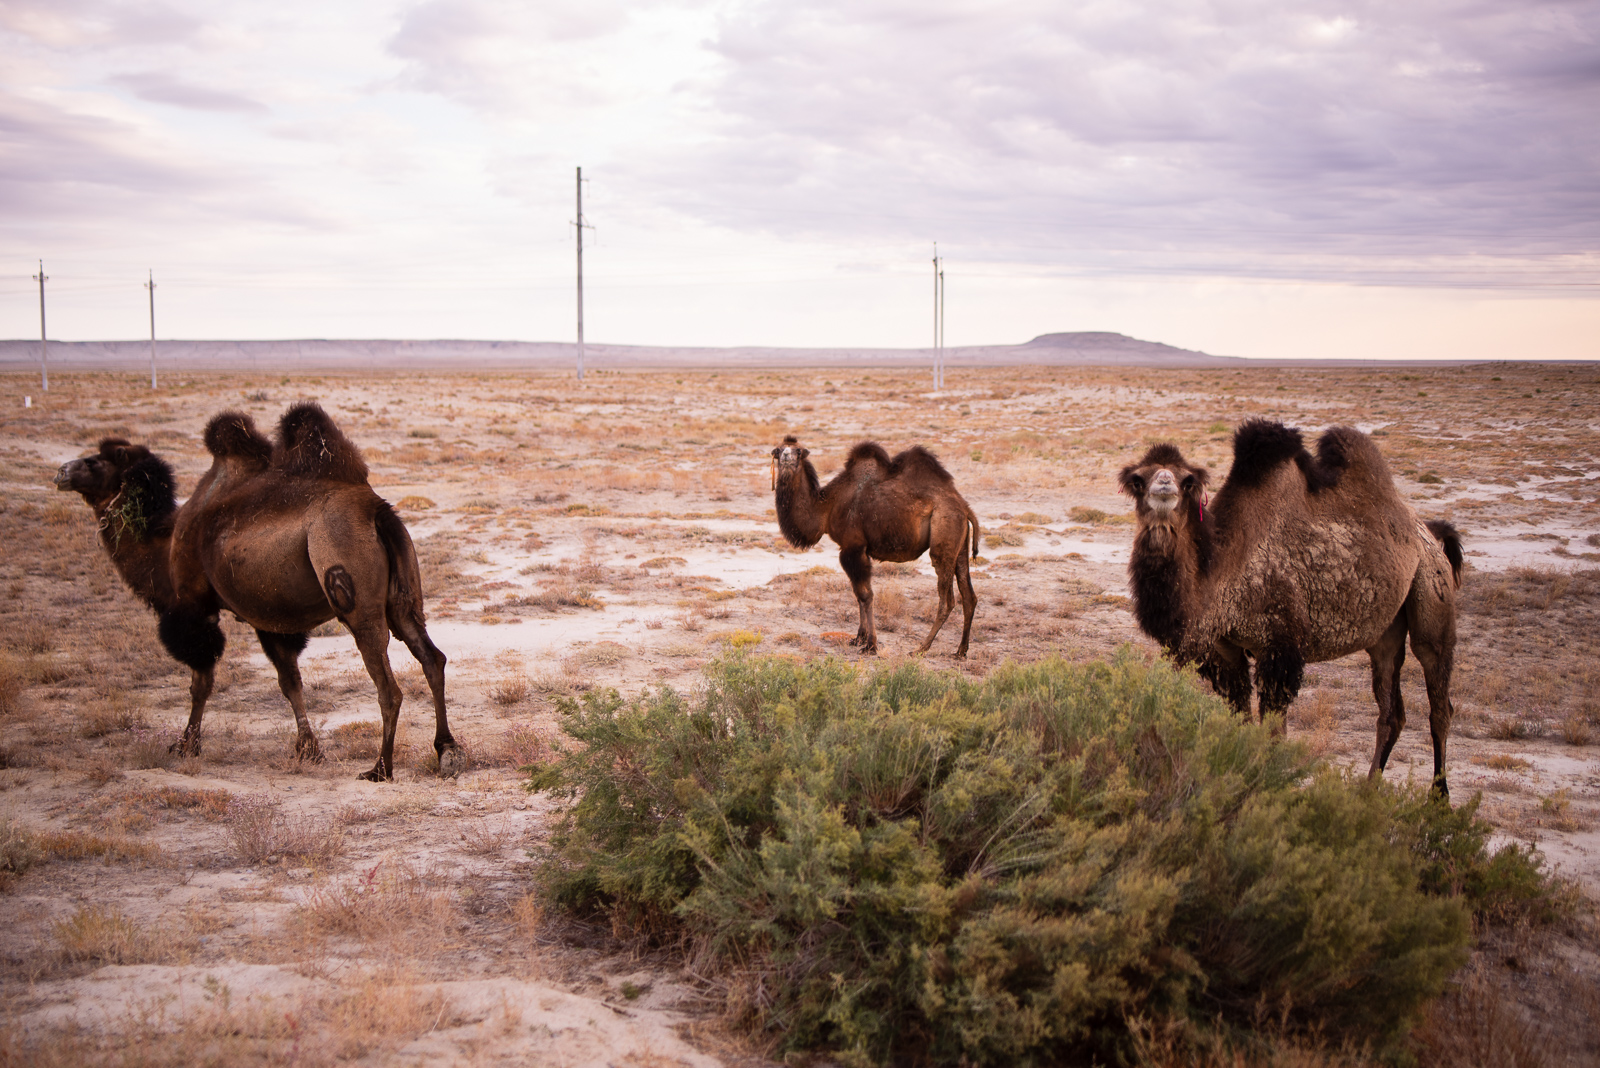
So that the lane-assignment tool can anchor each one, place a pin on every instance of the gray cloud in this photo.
(1162, 133)
(165, 89)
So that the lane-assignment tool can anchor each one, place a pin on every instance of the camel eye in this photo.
(1188, 484)
(1135, 484)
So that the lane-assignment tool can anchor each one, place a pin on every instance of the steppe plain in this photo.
(239, 907)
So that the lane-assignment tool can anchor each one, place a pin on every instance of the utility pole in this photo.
(151, 286)
(938, 319)
(941, 323)
(44, 346)
(580, 225)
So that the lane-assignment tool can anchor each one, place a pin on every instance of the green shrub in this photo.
(911, 867)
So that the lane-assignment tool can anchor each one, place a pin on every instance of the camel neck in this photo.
(802, 508)
(1165, 572)
(140, 557)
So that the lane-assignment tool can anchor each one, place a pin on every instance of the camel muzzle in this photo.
(63, 479)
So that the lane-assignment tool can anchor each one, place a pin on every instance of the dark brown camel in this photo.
(1299, 559)
(285, 536)
(881, 509)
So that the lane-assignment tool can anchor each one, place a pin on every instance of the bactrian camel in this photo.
(1298, 559)
(879, 508)
(284, 535)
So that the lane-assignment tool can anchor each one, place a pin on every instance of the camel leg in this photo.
(193, 638)
(969, 600)
(373, 641)
(858, 567)
(284, 652)
(200, 682)
(1388, 656)
(1434, 642)
(415, 635)
(1229, 674)
(944, 581)
(1279, 673)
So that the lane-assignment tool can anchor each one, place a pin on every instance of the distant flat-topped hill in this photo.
(1089, 348)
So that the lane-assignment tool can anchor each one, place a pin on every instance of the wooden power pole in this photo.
(580, 225)
(151, 286)
(44, 346)
(938, 319)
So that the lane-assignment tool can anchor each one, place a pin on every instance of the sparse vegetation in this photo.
(90, 701)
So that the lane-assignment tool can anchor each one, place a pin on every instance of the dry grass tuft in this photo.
(13, 680)
(102, 935)
(80, 845)
(19, 851)
(486, 837)
(262, 832)
(521, 745)
(388, 901)
(111, 714)
(382, 1012)
(150, 748)
(33, 636)
(1502, 762)
(1576, 730)
(510, 690)
(1475, 1024)
(1510, 729)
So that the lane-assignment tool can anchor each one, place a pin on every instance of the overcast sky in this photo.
(1260, 178)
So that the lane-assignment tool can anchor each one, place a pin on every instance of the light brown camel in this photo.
(286, 537)
(879, 508)
(1299, 559)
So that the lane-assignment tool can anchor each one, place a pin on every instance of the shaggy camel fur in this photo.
(285, 536)
(1298, 560)
(879, 508)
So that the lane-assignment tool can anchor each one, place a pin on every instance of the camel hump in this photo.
(918, 460)
(311, 446)
(233, 435)
(1260, 447)
(868, 452)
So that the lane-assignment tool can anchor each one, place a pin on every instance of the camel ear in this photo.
(122, 455)
(1196, 479)
(803, 452)
(1130, 483)
(776, 450)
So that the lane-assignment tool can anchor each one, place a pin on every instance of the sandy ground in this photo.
(621, 534)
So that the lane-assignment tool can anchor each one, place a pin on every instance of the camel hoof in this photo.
(961, 654)
(307, 749)
(184, 747)
(452, 761)
(375, 775)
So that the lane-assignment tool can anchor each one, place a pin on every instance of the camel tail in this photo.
(1450, 541)
(972, 518)
(405, 575)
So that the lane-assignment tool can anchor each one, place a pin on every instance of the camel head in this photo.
(1163, 480)
(787, 459)
(128, 480)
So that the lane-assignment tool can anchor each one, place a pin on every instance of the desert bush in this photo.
(914, 867)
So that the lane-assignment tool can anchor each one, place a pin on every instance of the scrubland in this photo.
(238, 907)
